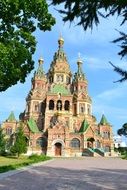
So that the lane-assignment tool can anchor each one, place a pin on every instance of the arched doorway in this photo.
(58, 149)
(90, 142)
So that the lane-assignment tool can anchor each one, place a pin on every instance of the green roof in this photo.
(84, 126)
(104, 120)
(33, 126)
(11, 117)
(59, 88)
(39, 73)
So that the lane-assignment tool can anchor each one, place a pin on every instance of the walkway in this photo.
(71, 174)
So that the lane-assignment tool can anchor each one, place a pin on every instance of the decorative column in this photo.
(63, 105)
(77, 108)
(55, 105)
(47, 105)
(70, 109)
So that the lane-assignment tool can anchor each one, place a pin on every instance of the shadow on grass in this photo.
(31, 160)
(13, 167)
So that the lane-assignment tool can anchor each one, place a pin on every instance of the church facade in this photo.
(58, 118)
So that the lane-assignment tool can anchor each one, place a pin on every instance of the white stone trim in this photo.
(58, 141)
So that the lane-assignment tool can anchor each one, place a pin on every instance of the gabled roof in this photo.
(32, 125)
(59, 88)
(11, 117)
(104, 120)
(84, 126)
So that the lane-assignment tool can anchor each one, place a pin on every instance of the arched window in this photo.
(88, 109)
(75, 143)
(82, 108)
(43, 106)
(41, 141)
(36, 107)
(106, 135)
(50, 79)
(67, 105)
(51, 105)
(98, 144)
(68, 80)
(107, 148)
(59, 105)
(60, 78)
(8, 131)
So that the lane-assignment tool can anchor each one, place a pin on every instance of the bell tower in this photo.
(59, 72)
(81, 100)
(36, 99)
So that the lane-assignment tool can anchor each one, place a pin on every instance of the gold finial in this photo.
(41, 61)
(60, 41)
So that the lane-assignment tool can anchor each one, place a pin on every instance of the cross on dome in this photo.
(79, 58)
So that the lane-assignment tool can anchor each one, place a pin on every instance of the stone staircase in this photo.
(88, 152)
(99, 152)
(93, 152)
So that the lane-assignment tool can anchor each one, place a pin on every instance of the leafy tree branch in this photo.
(18, 20)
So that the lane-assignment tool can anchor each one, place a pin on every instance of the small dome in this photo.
(79, 61)
(60, 41)
(41, 60)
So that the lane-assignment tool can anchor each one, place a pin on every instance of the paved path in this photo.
(71, 174)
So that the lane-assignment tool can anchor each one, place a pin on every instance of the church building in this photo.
(58, 119)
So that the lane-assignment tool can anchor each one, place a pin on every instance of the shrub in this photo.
(38, 158)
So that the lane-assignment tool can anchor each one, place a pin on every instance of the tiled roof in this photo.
(33, 126)
(84, 126)
(104, 120)
(11, 117)
(40, 73)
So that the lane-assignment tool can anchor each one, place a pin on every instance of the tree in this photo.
(18, 20)
(20, 144)
(2, 142)
(88, 13)
(123, 130)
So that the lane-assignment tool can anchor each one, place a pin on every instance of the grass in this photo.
(12, 163)
(124, 156)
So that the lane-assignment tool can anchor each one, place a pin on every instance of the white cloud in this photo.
(110, 109)
(98, 63)
(111, 103)
(113, 94)
(116, 116)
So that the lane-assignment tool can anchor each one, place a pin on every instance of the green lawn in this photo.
(5, 161)
(12, 163)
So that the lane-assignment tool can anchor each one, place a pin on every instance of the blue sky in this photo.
(96, 51)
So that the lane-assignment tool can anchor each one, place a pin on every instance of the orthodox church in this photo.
(58, 118)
